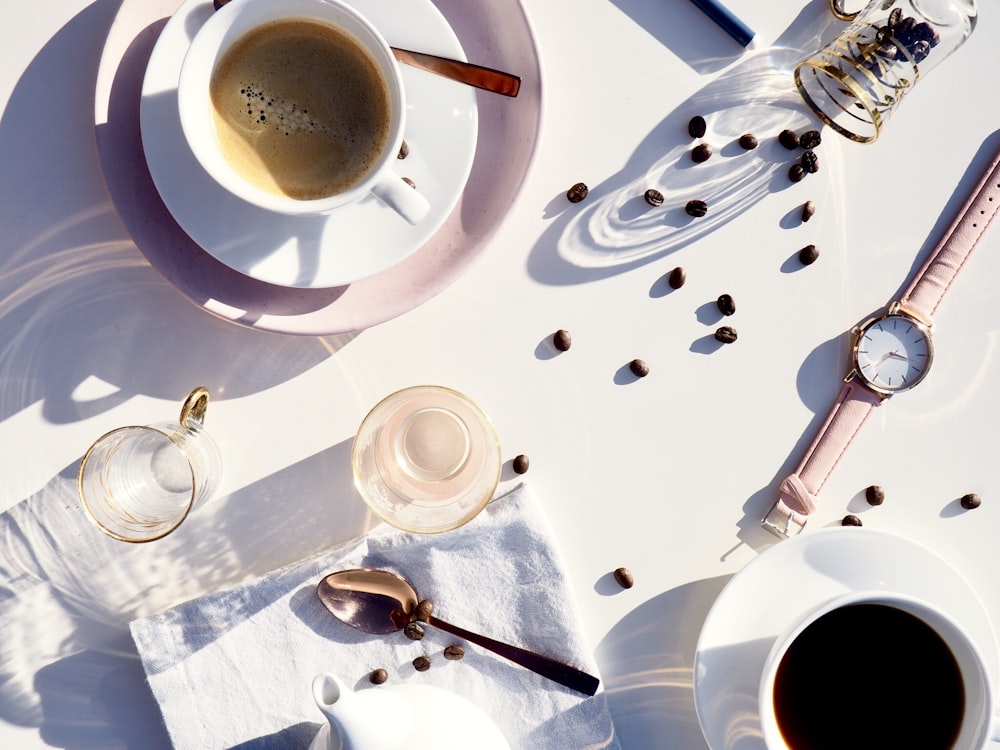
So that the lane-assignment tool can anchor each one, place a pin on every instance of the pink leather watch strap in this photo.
(796, 495)
(930, 284)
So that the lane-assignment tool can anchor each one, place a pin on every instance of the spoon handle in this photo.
(464, 72)
(564, 674)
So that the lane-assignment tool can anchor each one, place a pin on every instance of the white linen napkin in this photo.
(233, 669)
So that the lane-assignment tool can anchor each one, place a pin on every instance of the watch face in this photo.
(893, 353)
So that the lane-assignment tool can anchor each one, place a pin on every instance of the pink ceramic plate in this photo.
(497, 34)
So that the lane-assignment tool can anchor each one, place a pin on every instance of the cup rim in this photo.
(771, 734)
(95, 517)
(207, 47)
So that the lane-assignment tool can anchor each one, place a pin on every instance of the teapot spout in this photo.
(330, 695)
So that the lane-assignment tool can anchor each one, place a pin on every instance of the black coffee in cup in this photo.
(301, 109)
(868, 676)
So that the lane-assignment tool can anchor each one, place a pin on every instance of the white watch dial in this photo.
(893, 353)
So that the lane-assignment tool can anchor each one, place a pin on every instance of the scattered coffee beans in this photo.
(726, 334)
(701, 152)
(623, 576)
(697, 126)
(378, 676)
(788, 139)
(639, 368)
(453, 653)
(875, 495)
(748, 141)
(677, 277)
(410, 182)
(562, 340)
(577, 193)
(414, 631)
(726, 304)
(808, 210)
(421, 664)
(796, 172)
(808, 255)
(850, 520)
(404, 151)
(520, 464)
(696, 208)
(424, 610)
(810, 162)
(970, 501)
(653, 197)
(810, 139)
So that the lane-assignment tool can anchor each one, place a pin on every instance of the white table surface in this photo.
(667, 475)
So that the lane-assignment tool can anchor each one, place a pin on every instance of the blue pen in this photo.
(726, 20)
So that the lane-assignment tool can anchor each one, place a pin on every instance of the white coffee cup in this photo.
(977, 724)
(230, 24)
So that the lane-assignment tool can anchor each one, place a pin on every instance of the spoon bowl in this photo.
(381, 602)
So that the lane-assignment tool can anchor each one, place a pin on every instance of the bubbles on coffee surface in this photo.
(284, 116)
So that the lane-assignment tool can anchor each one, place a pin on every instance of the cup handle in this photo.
(401, 198)
(837, 6)
(194, 407)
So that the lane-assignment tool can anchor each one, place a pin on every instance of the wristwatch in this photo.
(892, 352)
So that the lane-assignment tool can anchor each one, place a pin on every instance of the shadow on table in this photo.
(68, 665)
(78, 301)
(647, 663)
(614, 230)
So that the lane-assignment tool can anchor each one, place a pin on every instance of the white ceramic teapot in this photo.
(395, 717)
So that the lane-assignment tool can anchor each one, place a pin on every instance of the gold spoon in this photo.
(381, 602)
(488, 79)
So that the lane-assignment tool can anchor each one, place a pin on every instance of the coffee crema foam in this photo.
(301, 110)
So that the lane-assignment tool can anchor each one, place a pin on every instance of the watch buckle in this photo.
(783, 525)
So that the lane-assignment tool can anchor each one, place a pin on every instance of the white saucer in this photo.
(787, 580)
(354, 242)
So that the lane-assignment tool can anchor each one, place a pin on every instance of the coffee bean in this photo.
(421, 664)
(726, 304)
(623, 576)
(726, 334)
(895, 17)
(653, 197)
(677, 277)
(701, 152)
(748, 141)
(850, 520)
(639, 368)
(423, 611)
(810, 162)
(808, 209)
(788, 139)
(875, 495)
(808, 255)
(378, 676)
(404, 151)
(796, 172)
(520, 464)
(410, 182)
(414, 631)
(970, 501)
(453, 653)
(810, 139)
(577, 193)
(562, 340)
(696, 208)
(697, 126)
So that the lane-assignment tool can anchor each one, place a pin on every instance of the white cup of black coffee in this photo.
(876, 670)
(297, 107)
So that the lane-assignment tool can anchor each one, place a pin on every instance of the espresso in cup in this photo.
(869, 675)
(301, 109)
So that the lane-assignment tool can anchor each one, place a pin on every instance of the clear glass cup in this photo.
(858, 80)
(426, 459)
(139, 483)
